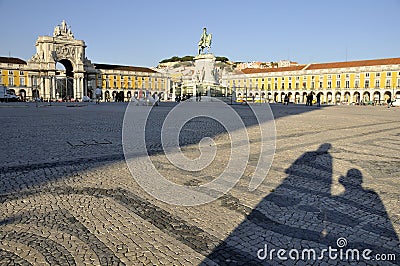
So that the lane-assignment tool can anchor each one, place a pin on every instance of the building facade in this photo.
(365, 81)
(60, 70)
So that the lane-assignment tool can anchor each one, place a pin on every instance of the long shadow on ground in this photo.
(302, 218)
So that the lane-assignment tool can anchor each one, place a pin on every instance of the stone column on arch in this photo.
(53, 87)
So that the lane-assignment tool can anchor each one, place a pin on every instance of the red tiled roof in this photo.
(12, 60)
(360, 63)
(374, 62)
(275, 69)
(124, 68)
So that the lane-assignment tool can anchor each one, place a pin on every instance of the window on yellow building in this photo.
(367, 75)
(356, 84)
(366, 84)
(329, 84)
(338, 84)
(320, 85)
(388, 83)
(10, 80)
(389, 74)
(347, 84)
(377, 83)
(22, 82)
(378, 74)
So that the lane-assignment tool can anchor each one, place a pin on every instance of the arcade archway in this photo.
(64, 90)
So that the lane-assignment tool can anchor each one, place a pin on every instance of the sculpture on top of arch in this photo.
(63, 31)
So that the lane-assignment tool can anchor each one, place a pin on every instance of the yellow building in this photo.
(29, 83)
(59, 70)
(364, 81)
(13, 74)
(131, 81)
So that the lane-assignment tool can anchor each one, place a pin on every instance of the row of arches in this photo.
(328, 97)
(108, 95)
(123, 95)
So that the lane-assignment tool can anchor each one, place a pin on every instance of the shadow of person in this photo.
(302, 214)
(287, 218)
(370, 226)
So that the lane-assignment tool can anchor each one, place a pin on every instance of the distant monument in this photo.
(205, 78)
(205, 73)
(205, 41)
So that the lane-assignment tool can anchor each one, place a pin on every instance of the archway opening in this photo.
(329, 97)
(356, 97)
(22, 95)
(377, 97)
(282, 97)
(276, 96)
(338, 97)
(387, 95)
(304, 97)
(367, 97)
(347, 97)
(64, 80)
(297, 97)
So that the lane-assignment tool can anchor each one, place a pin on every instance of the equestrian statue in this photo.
(205, 41)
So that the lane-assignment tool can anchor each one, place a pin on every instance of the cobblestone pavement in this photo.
(68, 198)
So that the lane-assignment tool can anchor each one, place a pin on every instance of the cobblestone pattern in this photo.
(67, 197)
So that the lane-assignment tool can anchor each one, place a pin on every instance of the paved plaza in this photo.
(68, 198)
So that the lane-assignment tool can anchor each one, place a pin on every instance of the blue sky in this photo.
(142, 33)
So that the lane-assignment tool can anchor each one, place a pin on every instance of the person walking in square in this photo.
(98, 95)
(286, 100)
(318, 100)
(310, 99)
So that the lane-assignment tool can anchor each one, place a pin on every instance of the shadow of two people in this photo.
(301, 213)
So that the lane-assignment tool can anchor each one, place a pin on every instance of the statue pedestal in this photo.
(204, 69)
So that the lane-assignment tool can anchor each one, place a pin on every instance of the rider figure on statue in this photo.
(205, 41)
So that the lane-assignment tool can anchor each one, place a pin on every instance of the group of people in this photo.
(118, 97)
(310, 98)
(185, 97)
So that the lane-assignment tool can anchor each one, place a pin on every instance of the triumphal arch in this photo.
(60, 69)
